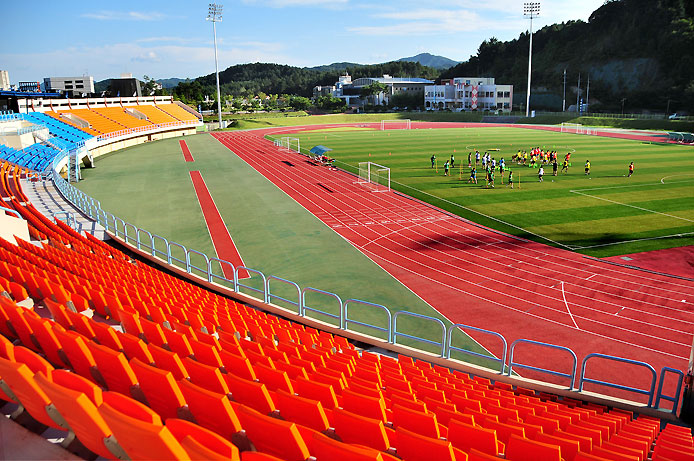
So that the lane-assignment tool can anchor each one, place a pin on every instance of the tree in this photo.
(299, 103)
(331, 103)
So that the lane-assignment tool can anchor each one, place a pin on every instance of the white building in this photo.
(4, 80)
(350, 90)
(469, 93)
(83, 84)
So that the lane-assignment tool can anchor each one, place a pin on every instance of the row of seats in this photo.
(191, 354)
(36, 157)
(57, 128)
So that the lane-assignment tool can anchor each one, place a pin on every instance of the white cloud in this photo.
(106, 15)
(148, 56)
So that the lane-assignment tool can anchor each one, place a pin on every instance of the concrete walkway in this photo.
(48, 201)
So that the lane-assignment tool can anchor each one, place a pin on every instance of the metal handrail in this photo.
(298, 303)
(305, 308)
(583, 378)
(388, 331)
(659, 395)
(449, 346)
(571, 376)
(417, 338)
(238, 285)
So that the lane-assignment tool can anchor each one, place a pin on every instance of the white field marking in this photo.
(662, 180)
(567, 306)
(370, 258)
(591, 276)
(482, 214)
(433, 269)
(639, 322)
(617, 313)
(609, 271)
(631, 206)
(634, 240)
(626, 186)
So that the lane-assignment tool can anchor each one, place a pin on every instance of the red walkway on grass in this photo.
(221, 239)
(483, 278)
(186, 152)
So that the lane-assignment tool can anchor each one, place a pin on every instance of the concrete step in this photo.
(48, 201)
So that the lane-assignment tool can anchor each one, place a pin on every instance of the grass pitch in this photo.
(604, 214)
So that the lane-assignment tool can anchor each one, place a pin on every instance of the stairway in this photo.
(48, 201)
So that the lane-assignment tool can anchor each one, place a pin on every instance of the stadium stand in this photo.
(136, 362)
(177, 112)
(154, 114)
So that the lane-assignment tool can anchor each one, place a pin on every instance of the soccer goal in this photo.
(404, 124)
(374, 176)
(291, 144)
(572, 128)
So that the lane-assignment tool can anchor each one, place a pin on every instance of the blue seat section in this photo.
(39, 156)
(57, 128)
(35, 157)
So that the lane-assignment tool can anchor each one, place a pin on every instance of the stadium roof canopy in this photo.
(319, 150)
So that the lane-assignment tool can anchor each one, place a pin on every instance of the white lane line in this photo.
(567, 306)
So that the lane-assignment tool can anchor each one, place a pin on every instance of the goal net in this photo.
(404, 124)
(290, 144)
(572, 128)
(374, 176)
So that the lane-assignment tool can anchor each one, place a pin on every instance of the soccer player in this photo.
(445, 168)
(510, 179)
(477, 158)
(565, 166)
(541, 172)
(433, 160)
(502, 166)
(452, 161)
(473, 176)
(555, 166)
(587, 167)
(631, 169)
(469, 160)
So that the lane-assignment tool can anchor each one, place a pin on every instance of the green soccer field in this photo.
(604, 214)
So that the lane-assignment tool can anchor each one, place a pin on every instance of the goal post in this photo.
(572, 128)
(402, 124)
(291, 144)
(374, 176)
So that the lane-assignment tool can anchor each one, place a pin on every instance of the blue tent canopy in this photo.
(319, 150)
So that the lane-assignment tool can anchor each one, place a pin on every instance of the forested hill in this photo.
(641, 50)
(250, 79)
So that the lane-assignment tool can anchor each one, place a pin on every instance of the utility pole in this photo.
(214, 14)
(578, 94)
(623, 99)
(563, 104)
(531, 9)
(588, 93)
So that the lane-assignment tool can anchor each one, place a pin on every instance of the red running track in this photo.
(219, 233)
(187, 156)
(483, 278)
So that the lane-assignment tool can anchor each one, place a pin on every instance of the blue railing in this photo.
(571, 376)
(143, 239)
(638, 363)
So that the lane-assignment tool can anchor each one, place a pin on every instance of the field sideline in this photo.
(605, 214)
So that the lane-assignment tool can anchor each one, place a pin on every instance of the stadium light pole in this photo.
(530, 10)
(214, 14)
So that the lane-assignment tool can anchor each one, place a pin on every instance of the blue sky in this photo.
(171, 38)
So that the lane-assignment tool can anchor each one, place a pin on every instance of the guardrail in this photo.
(141, 238)
(146, 129)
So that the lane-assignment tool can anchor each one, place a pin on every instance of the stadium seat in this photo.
(416, 447)
(116, 371)
(325, 448)
(130, 431)
(250, 393)
(522, 449)
(302, 411)
(197, 437)
(79, 410)
(324, 393)
(360, 430)
(273, 436)
(161, 390)
(569, 448)
(206, 376)
(466, 437)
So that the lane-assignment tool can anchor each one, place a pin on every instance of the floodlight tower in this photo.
(530, 10)
(214, 14)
